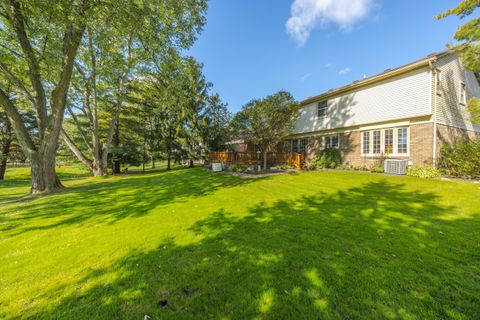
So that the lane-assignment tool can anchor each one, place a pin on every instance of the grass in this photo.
(189, 244)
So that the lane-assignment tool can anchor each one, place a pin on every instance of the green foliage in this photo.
(266, 122)
(360, 168)
(461, 158)
(236, 167)
(328, 158)
(377, 169)
(474, 109)
(428, 172)
(282, 167)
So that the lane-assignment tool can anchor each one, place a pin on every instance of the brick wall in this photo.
(421, 144)
(421, 147)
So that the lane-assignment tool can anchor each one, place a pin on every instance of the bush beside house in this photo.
(327, 159)
(461, 158)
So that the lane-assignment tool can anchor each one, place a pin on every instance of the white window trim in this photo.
(297, 142)
(326, 109)
(382, 143)
(438, 81)
(462, 101)
(363, 142)
(331, 135)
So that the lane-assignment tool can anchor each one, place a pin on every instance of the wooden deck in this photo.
(293, 159)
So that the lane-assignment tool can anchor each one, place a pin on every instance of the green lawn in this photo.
(189, 244)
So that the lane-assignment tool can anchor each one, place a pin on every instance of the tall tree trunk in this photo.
(191, 163)
(3, 160)
(169, 148)
(44, 177)
(5, 146)
(265, 153)
(116, 144)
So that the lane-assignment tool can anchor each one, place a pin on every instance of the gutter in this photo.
(434, 111)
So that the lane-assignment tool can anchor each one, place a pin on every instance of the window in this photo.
(438, 79)
(463, 93)
(377, 141)
(332, 141)
(366, 142)
(295, 145)
(385, 141)
(402, 141)
(322, 109)
(299, 145)
(389, 141)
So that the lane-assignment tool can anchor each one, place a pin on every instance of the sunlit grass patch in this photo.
(189, 244)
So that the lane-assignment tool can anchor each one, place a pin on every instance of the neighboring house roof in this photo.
(389, 73)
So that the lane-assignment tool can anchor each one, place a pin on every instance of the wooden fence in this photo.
(293, 159)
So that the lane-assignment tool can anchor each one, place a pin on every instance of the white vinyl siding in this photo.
(450, 109)
(401, 97)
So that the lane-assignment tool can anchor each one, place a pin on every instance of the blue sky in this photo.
(248, 51)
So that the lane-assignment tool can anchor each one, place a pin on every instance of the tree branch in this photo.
(20, 130)
(16, 81)
(18, 22)
(79, 127)
(73, 147)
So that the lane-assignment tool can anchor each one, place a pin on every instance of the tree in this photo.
(6, 139)
(468, 35)
(107, 72)
(266, 122)
(214, 124)
(39, 41)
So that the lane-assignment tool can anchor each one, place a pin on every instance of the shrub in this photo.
(377, 169)
(360, 168)
(461, 159)
(282, 167)
(345, 167)
(423, 172)
(328, 158)
(237, 168)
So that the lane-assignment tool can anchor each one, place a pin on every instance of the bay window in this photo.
(389, 141)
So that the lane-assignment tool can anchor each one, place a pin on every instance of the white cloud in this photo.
(344, 71)
(305, 77)
(328, 65)
(308, 14)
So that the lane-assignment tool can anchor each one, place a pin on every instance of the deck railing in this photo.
(293, 159)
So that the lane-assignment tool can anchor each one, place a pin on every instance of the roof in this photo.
(387, 74)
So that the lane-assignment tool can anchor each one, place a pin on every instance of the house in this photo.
(403, 113)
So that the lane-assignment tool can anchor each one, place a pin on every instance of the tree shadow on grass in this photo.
(107, 201)
(376, 251)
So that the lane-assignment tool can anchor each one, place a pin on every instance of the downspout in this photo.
(434, 111)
